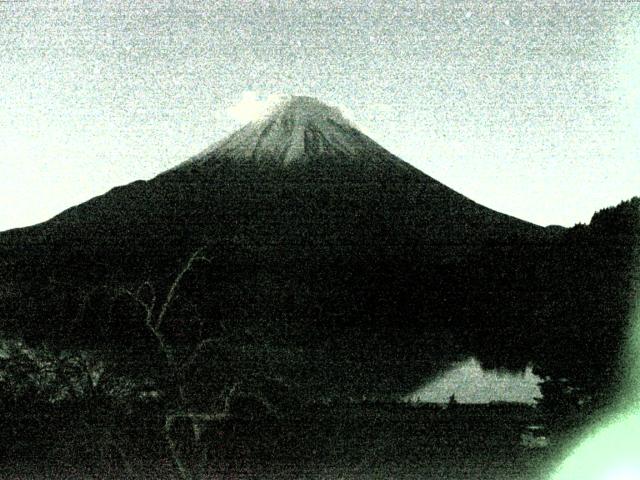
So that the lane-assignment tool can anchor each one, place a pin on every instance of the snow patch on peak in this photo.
(299, 130)
(253, 107)
(307, 110)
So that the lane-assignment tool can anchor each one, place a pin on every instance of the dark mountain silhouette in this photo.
(332, 263)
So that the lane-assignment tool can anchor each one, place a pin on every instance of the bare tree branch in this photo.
(198, 349)
(183, 469)
(154, 323)
(196, 256)
(147, 308)
(151, 325)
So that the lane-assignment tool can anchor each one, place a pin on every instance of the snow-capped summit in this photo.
(307, 110)
(298, 131)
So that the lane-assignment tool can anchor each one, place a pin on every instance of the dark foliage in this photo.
(591, 288)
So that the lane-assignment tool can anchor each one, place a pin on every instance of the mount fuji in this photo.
(300, 131)
(331, 259)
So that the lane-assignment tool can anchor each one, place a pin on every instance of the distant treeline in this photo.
(573, 316)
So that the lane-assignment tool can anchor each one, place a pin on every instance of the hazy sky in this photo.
(531, 108)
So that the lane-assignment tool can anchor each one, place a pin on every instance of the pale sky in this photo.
(530, 108)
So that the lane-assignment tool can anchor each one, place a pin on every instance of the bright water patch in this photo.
(470, 383)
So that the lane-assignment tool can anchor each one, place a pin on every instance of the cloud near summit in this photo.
(254, 106)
